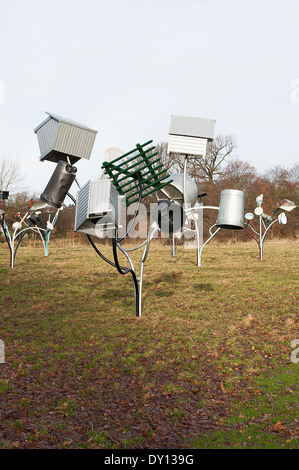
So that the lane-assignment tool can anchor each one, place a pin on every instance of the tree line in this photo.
(219, 170)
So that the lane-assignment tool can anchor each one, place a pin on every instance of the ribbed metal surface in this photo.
(59, 137)
(192, 127)
(187, 145)
(75, 141)
(81, 213)
(174, 191)
(96, 199)
(46, 135)
(103, 199)
(231, 209)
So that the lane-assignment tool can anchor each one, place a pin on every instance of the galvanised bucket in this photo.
(231, 209)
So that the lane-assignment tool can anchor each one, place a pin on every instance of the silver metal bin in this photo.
(231, 209)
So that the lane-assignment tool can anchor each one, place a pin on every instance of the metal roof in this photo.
(60, 138)
(58, 118)
(193, 127)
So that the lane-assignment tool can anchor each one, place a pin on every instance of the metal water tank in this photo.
(59, 184)
(231, 209)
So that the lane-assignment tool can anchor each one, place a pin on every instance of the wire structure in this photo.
(266, 221)
(117, 247)
(141, 160)
(32, 220)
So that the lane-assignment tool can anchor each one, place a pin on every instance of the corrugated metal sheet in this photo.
(81, 213)
(187, 145)
(59, 137)
(192, 127)
(46, 136)
(96, 200)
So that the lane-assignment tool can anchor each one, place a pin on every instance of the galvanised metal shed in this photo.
(189, 135)
(59, 138)
(98, 207)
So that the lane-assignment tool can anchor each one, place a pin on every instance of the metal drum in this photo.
(231, 209)
(59, 184)
(174, 191)
(169, 216)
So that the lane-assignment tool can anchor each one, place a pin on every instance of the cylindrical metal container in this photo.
(59, 184)
(231, 209)
(174, 191)
(169, 216)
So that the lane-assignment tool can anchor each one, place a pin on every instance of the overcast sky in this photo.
(123, 67)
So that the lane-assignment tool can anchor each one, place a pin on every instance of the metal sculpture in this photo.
(230, 214)
(100, 205)
(129, 178)
(64, 142)
(31, 221)
(188, 137)
(266, 221)
(124, 171)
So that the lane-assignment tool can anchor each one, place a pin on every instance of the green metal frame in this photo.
(141, 161)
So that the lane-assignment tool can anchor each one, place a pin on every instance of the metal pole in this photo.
(184, 181)
(144, 256)
(197, 239)
(261, 242)
(207, 241)
(7, 236)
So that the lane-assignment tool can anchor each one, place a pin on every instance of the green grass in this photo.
(206, 366)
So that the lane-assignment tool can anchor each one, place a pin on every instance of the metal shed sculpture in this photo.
(63, 139)
(64, 142)
(188, 137)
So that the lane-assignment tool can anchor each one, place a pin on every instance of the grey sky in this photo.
(123, 67)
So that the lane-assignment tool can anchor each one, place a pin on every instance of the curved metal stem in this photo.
(207, 241)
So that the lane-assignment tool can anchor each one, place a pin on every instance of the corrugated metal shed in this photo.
(189, 135)
(187, 145)
(192, 127)
(97, 207)
(60, 137)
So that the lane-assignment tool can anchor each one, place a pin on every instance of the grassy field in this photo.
(208, 365)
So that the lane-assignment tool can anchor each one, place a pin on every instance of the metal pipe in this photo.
(184, 181)
(250, 234)
(7, 237)
(144, 256)
(201, 207)
(200, 252)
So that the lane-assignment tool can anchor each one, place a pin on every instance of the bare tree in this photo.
(10, 176)
(200, 169)
(239, 175)
(217, 152)
(295, 173)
